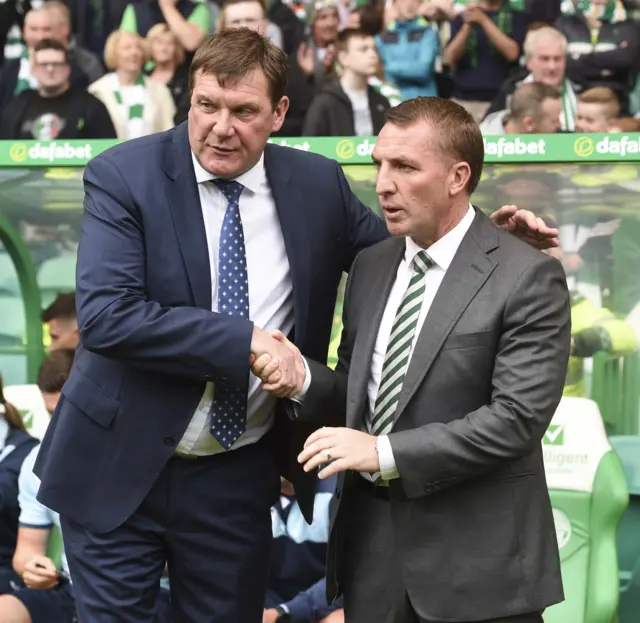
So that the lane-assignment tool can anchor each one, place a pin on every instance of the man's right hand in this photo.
(40, 573)
(277, 362)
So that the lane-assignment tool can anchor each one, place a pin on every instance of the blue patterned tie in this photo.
(229, 408)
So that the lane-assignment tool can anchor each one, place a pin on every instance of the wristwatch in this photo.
(283, 615)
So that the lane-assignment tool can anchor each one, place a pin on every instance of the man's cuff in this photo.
(388, 468)
(299, 397)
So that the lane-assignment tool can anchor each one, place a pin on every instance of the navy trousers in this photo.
(209, 519)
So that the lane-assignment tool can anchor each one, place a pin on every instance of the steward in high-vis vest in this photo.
(594, 329)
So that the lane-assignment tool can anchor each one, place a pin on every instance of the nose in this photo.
(222, 125)
(384, 182)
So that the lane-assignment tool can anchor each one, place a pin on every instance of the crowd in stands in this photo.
(120, 68)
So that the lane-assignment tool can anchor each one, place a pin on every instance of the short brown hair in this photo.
(527, 99)
(627, 124)
(63, 308)
(604, 96)
(371, 19)
(54, 371)
(233, 53)
(344, 36)
(460, 136)
(52, 44)
(11, 414)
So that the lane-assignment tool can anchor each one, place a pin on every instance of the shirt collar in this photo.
(443, 251)
(252, 179)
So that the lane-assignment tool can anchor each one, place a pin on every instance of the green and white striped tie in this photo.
(398, 355)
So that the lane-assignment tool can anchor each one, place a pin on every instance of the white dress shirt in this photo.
(442, 253)
(270, 294)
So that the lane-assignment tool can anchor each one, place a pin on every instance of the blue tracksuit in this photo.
(409, 50)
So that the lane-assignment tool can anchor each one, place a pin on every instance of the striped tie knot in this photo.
(422, 262)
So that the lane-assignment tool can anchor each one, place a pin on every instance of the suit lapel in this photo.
(470, 268)
(294, 223)
(186, 213)
(374, 305)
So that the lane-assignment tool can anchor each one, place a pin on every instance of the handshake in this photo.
(277, 362)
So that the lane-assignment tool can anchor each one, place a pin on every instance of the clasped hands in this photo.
(279, 365)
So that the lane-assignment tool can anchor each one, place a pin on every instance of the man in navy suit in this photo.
(196, 244)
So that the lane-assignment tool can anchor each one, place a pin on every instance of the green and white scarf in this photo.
(390, 91)
(132, 100)
(26, 81)
(611, 12)
(569, 105)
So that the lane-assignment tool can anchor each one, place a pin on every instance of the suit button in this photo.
(169, 441)
(338, 494)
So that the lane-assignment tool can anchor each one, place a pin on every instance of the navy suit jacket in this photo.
(148, 338)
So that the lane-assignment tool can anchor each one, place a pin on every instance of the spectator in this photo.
(94, 20)
(350, 106)
(598, 109)
(189, 20)
(169, 68)
(12, 14)
(317, 56)
(603, 46)
(484, 47)
(48, 596)
(17, 75)
(15, 445)
(297, 590)
(545, 51)
(137, 105)
(57, 109)
(290, 26)
(311, 66)
(249, 14)
(534, 109)
(62, 322)
(408, 49)
(87, 61)
(367, 18)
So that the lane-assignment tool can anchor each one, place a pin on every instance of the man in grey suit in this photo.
(451, 365)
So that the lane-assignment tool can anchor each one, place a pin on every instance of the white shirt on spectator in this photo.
(270, 293)
(361, 112)
(33, 514)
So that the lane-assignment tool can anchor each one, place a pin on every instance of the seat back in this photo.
(628, 449)
(28, 400)
(589, 494)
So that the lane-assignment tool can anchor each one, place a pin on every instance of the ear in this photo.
(527, 124)
(279, 113)
(458, 178)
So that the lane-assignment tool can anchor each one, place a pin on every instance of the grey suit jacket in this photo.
(471, 510)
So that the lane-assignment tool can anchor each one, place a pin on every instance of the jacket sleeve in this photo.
(528, 380)
(596, 65)
(423, 67)
(115, 317)
(311, 606)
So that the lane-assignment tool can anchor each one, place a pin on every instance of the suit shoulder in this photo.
(378, 254)
(134, 153)
(518, 257)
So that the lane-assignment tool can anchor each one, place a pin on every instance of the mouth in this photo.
(391, 212)
(222, 151)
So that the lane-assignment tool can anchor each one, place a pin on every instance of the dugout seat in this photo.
(589, 495)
